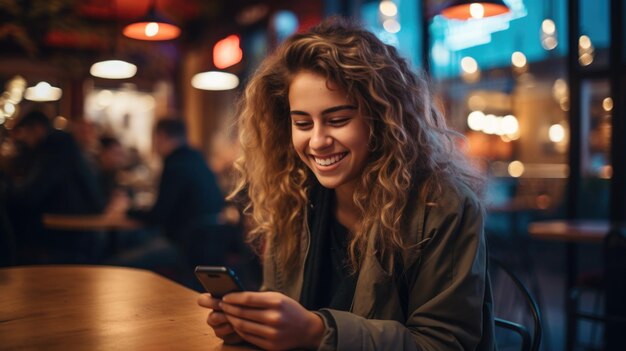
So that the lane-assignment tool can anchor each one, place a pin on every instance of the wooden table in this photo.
(112, 222)
(571, 232)
(99, 308)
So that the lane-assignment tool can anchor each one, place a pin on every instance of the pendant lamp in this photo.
(152, 27)
(111, 66)
(468, 9)
(215, 80)
(43, 91)
(113, 69)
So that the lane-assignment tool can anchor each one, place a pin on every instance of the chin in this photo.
(329, 183)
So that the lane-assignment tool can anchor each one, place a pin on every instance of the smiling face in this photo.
(327, 132)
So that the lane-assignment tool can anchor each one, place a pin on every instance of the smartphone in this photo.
(218, 280)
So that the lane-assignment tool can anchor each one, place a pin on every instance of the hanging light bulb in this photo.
(152, 29)
(477, 10)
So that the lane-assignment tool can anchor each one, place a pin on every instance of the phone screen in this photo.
(218, 280)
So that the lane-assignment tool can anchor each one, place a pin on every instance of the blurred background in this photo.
(538, 91)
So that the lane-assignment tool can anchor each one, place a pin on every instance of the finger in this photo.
(220, 324)
(254, 299)
(224, 330)
(232, 339)
(258, 341)
(250, 327)
(263, 316)
(207, 301)
(216, 318)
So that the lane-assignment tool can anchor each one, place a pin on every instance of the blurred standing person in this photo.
(55, 178)
(188, 201)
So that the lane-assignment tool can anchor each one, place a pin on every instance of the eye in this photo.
(302, 124)
(339, 121)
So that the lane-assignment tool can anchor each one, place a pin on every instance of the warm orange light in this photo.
(151, 31)
(227, 52)
(463, 12)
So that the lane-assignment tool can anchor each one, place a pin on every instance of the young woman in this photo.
(367, 214)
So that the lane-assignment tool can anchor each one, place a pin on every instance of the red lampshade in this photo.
(467, 9)
(227, 52)
(153, 27)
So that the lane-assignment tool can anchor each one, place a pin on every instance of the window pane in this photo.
(596, 106)
(593, 44)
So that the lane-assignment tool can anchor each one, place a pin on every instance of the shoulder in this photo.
(444, 193)
(449, 196)
(449, 206)
(456, 197)
(454, 216)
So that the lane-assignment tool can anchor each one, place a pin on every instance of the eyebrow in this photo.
(326, 111)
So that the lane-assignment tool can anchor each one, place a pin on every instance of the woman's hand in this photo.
(217, 320)
(272, 320)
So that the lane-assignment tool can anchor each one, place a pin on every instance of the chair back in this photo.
(508, 286)
(615, 285)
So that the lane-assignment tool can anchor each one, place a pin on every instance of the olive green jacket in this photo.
(448, 304)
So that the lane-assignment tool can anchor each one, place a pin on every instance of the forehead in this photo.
(310, 90)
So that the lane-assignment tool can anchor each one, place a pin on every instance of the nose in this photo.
(320, 137)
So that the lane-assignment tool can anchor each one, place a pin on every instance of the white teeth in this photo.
(330, 160)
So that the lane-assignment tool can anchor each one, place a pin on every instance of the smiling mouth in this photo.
(328, 161)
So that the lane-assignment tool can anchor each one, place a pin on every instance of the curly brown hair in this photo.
(410, 145)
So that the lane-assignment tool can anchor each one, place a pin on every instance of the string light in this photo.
(388, 8)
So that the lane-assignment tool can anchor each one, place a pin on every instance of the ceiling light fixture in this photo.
(43, 91)
(153, 27)
(111, 66)
(468, 9)
(113, 69)
(215, 80)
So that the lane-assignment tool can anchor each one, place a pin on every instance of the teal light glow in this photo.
(491, 41)
(408, 39)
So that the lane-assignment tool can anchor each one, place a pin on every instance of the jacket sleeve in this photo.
(446, 291)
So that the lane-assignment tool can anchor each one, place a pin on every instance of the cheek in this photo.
(358, 139)
(360, 145)
(298, 144)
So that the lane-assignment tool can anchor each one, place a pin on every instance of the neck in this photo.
(346, 211)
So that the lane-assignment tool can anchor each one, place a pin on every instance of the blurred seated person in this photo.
(111, 159)
(54, 178)
(188, 201)
(86, 133)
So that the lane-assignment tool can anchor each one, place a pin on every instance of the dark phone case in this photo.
(218, 280)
